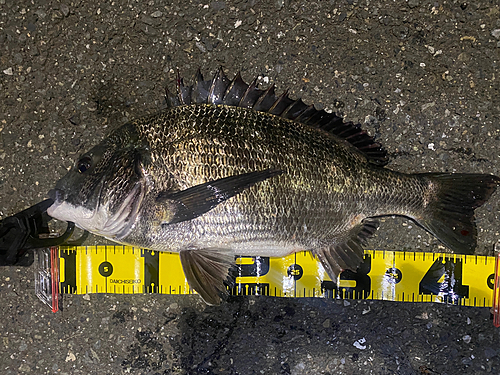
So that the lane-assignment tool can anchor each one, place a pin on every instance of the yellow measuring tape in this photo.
(384, 275)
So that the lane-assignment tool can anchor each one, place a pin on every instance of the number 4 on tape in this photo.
(387, 275)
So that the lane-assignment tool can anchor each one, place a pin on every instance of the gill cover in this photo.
(103, 191)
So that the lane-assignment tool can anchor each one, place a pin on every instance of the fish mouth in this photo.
(99, 220)
(120, 223)
(57, 195)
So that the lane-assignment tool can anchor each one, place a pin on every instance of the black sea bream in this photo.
(230, 169)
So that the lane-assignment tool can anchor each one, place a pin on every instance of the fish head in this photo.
(103, 191)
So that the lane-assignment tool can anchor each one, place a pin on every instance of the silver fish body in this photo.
(231, 175)
(326, 187)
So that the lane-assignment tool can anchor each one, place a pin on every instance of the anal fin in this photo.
(207, 272)
(347, 252)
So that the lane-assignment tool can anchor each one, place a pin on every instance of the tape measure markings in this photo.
(388, 275)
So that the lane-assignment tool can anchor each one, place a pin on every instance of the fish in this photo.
(229, 169)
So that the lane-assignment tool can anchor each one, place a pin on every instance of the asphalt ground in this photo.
(422, 76)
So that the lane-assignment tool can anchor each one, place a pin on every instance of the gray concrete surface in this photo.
(421, 75)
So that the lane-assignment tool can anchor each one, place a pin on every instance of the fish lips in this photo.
(57, 195)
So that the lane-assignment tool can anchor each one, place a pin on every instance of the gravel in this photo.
(421, 76)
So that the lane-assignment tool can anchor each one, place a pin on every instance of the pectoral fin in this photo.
(207, 272)
(197, 200)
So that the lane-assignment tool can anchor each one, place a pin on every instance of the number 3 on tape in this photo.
(386, 275)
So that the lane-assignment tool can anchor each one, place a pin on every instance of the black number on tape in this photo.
(491, 281)
(451, 288)
(259, 267)
(363, 283)
(393, 275)
(69, 284)
(151, 271)
(295, 271)
(105, 269)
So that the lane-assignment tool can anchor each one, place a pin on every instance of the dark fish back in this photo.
(222, 91)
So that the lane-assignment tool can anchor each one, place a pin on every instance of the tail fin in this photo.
(450, 216)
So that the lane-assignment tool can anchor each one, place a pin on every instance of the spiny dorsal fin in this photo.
(236, 93)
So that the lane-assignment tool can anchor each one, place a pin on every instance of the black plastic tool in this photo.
(21, 232)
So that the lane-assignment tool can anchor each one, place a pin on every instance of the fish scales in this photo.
(233, 170)
(321, 176)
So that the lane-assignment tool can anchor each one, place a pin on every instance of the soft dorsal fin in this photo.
(236, 93)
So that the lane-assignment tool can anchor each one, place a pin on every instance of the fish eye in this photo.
(84, 164)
